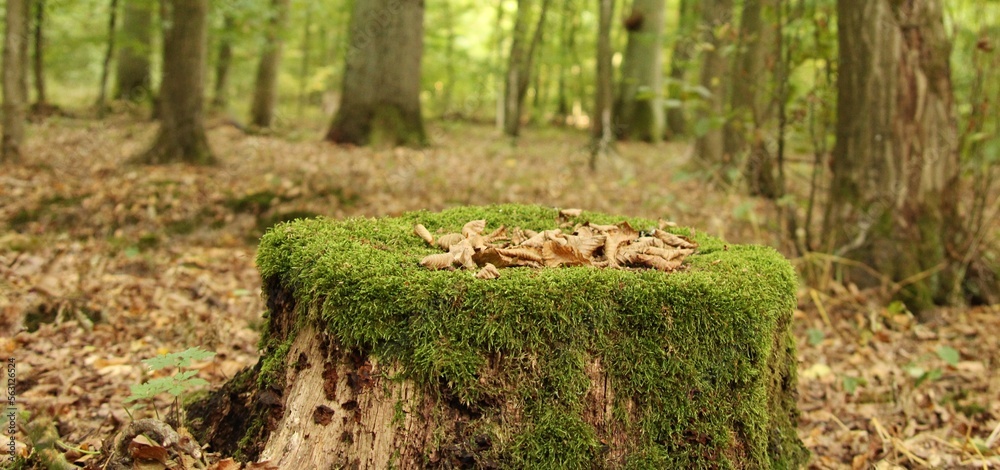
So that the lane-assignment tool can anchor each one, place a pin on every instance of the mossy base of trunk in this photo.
(371, 361)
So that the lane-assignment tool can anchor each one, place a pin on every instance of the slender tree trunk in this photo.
(14, 81)
(519, 65)
(222, 61)
(752, 98)
(567, 29)
(893, 199)
(102, 97)
(266, 87)
(679, 59)
(38, 60)
(181, 137)
(132, 72)
(641, 113)
(306, 53)
(499, 69)
(380, 102)
(709, 147)
(600, 128)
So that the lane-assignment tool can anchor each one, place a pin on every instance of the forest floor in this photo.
(104, 264)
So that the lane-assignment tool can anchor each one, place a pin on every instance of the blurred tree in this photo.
(640, 114)
(223, 59)
(893, 201)
(567, 39)
(181, 137)
(108, 54)
(679, 61)
(601, 133)
(752, 98)
(132, 76)
(716, 16)
(519, 63)
(14, 81)
(266, 87)
(38, 58)
(380, 102)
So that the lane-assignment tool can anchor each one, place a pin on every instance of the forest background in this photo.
(859, 138)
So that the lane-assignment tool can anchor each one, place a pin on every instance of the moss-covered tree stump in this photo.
(372, 361)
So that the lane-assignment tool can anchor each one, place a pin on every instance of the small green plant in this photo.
(177, 384)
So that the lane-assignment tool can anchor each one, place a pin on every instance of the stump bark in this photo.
(371, 361)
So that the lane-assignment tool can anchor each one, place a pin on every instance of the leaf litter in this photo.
(601, 246)
(110, 265)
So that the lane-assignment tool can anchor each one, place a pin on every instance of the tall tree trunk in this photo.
(14, 81)
(641, 113)
(380, 102)
(132, 76)
(498, 68)
(679, 59)
(893, 199)
(519, 64)
(752, 98)
(567, 33)
(38, 60)
(709, 147)
(266, 87)
(304, 64)
(222, 62)
(181, 137)
(600, 126)
(102, 97)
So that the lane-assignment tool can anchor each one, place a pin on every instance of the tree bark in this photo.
(679, 59)
(752, 98)
(14, 81)
(266, 87)
(380, 102)
(893, 198)
(181, 137)
(641, 113)
(519, 64)
(132, 76)
(709, 147)
(108, 54)
(38, 60)
(222, 61)
(600, 128)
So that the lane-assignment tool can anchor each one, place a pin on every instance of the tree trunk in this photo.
(567, 38)
(132, 76)
(14, 81)
(641, 113)
(380, 102)
(38, 60)
(709, 147)
(893, 197)
(752, 98)
(266, 88)
(102, 97)
(222, 61)
(181, 137)
(600, 128)
(304, 64)
(519, 64)
(679, 59)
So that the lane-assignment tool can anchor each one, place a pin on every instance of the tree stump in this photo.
(372, 361)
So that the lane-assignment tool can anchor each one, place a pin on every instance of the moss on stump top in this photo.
(700, 360)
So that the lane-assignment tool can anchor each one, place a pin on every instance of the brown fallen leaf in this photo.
(447, 240)
(143, 448)
(474, 227)
(423, 233)
(462, 254)
(438, 261)
(555, 254)
(674, 240)
(570, 213)
(488, 272)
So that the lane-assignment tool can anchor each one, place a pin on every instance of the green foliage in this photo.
(948, 354)
(175, 385)
(694, 346)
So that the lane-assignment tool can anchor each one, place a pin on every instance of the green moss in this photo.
(702, 355)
